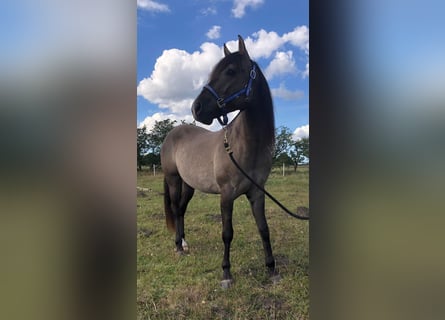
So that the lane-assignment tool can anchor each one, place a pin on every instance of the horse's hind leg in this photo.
(256, 199)
(177, 189)
(186, 194)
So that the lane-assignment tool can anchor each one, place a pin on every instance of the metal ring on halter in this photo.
(253, 73)
(224, 119)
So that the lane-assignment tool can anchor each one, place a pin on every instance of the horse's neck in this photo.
(253, 130)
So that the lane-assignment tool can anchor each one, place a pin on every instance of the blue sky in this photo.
(179, 42)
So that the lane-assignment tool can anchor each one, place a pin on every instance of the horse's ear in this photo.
(242, 46)
(226, 51)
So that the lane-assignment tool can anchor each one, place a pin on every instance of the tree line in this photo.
(287, 150)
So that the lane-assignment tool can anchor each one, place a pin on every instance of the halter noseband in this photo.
(221, 102)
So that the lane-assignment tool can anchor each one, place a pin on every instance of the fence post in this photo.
(283, 169)
(154, 170)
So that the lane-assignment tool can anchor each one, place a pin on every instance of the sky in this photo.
(179, 42)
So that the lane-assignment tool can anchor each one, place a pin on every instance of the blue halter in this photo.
(221, 102)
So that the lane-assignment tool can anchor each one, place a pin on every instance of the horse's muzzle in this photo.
(196, 109)
(199, 114)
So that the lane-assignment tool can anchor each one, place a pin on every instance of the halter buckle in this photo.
(252, 73)
(220, 102)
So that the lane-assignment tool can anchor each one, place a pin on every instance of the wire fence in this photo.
(283, 170)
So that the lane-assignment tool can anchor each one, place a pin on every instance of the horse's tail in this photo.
(169, 217)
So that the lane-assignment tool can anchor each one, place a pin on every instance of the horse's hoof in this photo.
(276, 278)
(180, 252)
(226, 284)
(185, 245)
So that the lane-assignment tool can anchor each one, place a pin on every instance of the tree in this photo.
(158, 134)
(142, 145)
(283, 143)
(299, 152)
(289, 151)
(155, 139)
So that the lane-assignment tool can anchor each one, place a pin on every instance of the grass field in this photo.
(170, 286)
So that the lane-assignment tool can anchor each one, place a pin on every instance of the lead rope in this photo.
(230, 153)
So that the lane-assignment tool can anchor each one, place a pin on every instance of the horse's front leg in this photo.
(227, 236)
(256, 199)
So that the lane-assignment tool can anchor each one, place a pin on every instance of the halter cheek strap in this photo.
(221, 105)
(221, 102)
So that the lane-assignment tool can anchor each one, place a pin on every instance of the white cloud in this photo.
(263, 43)
(282, 63)
(284, 93)
(301, 132)
(266, 43)
(299, 37)
(215, 126)
(149, 121)
(214, 32)
(151, 5)
(306, 71)
(239, 6)
(178, 76)
(209, 11)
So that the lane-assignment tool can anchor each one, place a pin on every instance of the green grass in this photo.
(188, 287)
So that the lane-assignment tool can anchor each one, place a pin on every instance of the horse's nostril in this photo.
(197, 107)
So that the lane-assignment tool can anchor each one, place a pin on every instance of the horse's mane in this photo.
(265, 106)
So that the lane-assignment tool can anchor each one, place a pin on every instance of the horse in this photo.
(195, 158)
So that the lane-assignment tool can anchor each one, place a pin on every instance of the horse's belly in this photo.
(199, 178)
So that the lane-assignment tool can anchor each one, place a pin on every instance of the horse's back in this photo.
(180, 137)
(182, 131)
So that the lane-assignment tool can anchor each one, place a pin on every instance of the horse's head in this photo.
(229, 86)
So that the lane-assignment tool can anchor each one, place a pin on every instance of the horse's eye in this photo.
(230, 72)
